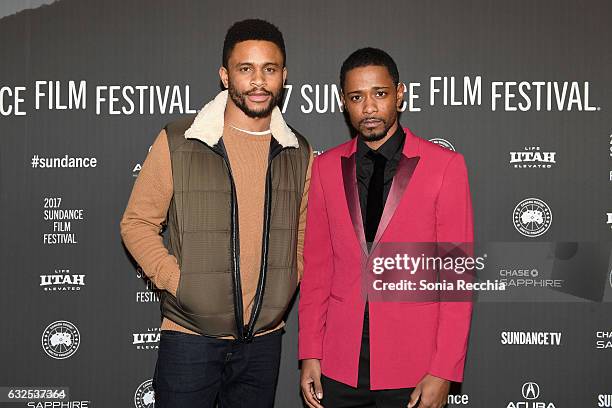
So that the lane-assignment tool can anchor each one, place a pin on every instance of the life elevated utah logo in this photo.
(148, 340)
(532, 217)
(61, 281)
(532, 157)
(530, 392)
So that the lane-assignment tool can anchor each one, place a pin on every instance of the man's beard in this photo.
(239, 99)
(374, 137)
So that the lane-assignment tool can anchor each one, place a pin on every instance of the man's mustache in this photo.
(371, 118)
(258, 91)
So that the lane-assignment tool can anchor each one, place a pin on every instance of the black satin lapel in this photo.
(349, 176)
(402, 177)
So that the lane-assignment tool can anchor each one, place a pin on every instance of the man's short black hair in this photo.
(365, 57)
(252, 29)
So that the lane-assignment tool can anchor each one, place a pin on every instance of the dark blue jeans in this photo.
(198, 371)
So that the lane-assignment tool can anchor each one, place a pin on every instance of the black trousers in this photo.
(340, 395)
(197, 371)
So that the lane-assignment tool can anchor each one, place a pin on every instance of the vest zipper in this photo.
(275, 149)
(261, 284)
(238, 313)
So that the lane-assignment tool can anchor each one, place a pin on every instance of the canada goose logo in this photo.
(144, 397)
(532, 217)
(60, 339)
(443, 143)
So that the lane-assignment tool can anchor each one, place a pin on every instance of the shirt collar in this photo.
(208, 124)
(387, 149)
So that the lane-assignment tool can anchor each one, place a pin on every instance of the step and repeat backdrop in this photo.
(522, 89)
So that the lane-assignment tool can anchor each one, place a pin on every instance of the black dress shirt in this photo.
(392, 151)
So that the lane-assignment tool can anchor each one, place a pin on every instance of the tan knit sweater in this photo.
(148, 206)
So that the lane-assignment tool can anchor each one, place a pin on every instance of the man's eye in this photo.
(245, 69)
(271, 69)
(355, 98)
(381, 93)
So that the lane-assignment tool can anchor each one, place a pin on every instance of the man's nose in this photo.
(369, 106)
(258, 79)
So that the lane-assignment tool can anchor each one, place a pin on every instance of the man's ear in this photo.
(223, 74)
(342, 98)
(400, 94)
(284, 75)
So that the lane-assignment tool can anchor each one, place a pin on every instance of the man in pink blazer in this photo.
(384, 185)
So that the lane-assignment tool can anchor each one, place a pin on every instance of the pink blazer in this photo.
(429, 201)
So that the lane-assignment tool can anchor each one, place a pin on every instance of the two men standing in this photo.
(232, 185)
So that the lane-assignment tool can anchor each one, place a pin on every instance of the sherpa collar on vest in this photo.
(208, 124)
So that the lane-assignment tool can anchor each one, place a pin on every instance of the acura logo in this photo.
(531, 390)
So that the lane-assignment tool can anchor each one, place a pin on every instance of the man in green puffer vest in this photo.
(230, 184)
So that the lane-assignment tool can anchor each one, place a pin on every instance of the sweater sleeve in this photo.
(302, 220)
(146, 210)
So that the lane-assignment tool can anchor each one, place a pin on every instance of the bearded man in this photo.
(231, 185)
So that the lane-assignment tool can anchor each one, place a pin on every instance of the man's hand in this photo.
(310, 381)
(433, 392)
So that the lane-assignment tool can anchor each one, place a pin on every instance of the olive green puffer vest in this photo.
(203, 234)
